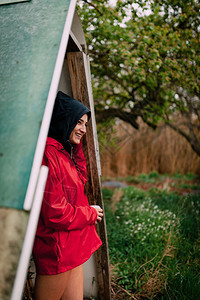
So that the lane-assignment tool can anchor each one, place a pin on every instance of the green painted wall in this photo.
(30, 35)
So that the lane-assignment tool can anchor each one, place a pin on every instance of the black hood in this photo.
(66, 114)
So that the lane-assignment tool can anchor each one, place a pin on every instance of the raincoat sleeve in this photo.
(57, 212)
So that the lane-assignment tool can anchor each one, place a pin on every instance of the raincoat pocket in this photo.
(62, 243)
(70, 194)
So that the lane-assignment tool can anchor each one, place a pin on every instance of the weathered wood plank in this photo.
(80, 81)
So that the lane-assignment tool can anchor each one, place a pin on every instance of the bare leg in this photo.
(74, 287)
(50, 287)
(65, 286)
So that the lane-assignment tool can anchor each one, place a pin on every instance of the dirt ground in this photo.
(171, 185)
(182, 187)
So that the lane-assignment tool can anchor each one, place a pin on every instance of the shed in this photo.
(43, 50)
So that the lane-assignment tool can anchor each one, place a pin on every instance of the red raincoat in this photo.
(66, 235)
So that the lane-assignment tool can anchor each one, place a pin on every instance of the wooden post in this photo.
(78, 64)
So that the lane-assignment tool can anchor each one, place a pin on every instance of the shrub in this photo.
(154, 174)
(191, 176)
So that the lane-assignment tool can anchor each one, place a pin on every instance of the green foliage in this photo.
(154, 237)
(106, 135)
(149, 178)
(145, 61)
(190, 176)
(107, 193)
(180, 181)
(187, 176)
(154, 52)
(154, 174)
(178, 176)
(189, 186)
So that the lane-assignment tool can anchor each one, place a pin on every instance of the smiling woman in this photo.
(66, 235)
(79, 130)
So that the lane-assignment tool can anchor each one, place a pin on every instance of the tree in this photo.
(145, 61)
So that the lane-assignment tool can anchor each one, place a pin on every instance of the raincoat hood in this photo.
(66, 114)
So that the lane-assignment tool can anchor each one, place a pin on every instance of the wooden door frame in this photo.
(78, 63)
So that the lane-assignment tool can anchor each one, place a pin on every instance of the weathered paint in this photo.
(29, 42)
(26, 250)
(13, 222)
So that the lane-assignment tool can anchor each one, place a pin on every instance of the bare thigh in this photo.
(65, 286)
(74, 287)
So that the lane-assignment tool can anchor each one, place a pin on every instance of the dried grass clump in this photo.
(151, 282)
(119, 293)
(116, 197)
(154, 285)
(154, 281)
(28, 289)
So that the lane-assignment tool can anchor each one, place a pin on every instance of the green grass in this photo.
(187, 176)
(154, 177)
(189, 186)
(154, 243)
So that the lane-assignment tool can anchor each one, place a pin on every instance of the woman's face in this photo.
(79, 130)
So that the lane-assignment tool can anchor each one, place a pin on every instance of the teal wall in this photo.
(30, 35)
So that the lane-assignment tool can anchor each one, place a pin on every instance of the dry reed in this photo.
(145, 150)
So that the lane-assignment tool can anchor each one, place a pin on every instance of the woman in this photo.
(66, 236)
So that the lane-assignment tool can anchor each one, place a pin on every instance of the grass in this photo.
(148, 178)
(187, 176)
(189, 186)
(154, 243)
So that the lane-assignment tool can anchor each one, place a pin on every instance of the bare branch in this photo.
(192, 139)
(129, 117)
(94, 6)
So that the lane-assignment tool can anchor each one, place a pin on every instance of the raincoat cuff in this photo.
(94, 214)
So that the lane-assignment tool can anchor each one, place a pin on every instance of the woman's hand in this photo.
(99, 213)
